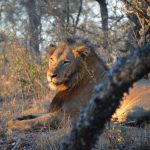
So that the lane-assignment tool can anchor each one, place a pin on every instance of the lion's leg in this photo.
(37, 122)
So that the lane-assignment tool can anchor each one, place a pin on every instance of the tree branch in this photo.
(106, 99)
(79, 12)
(136, 10)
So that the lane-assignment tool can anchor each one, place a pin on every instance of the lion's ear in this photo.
(51, 49)
(81, 51)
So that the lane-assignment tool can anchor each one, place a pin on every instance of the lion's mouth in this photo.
(58, 86)
(56, 83)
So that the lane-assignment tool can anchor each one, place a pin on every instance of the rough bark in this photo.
(106, 98)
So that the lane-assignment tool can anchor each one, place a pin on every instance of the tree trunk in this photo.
(34, 27)
(106, 99)
(104, 16)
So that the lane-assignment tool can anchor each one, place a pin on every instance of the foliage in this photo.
(21, 75)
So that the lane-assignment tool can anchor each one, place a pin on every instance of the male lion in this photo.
(74, 70)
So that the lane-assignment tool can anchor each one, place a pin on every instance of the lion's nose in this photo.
(53, 76)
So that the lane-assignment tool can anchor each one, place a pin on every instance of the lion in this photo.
(72, 75)
(74, 70)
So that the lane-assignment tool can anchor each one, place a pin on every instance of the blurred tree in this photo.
(34, 17)
(104, 16)
(138, 13)
(66, 15)
(31, 19)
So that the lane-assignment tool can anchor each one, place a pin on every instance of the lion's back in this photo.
(136, 103)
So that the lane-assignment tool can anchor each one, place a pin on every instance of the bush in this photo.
(21, 76)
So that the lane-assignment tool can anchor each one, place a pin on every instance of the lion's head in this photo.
(66, 64)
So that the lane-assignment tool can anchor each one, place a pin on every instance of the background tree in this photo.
(104, 16)
(34, 33)
(139, 20)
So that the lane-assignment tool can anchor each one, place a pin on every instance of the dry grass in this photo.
(38, 139)
(115, 137)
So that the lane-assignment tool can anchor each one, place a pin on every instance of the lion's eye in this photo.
(51, 59)
(66, 62)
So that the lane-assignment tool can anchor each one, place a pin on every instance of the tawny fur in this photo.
(136, 104)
